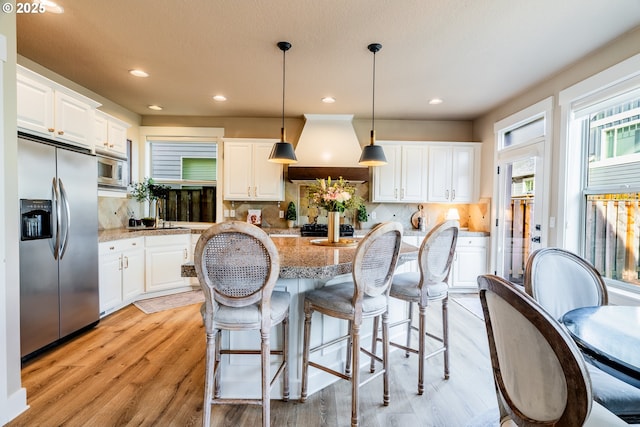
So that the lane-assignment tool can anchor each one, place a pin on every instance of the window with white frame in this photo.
(180, 163)
(607, 127)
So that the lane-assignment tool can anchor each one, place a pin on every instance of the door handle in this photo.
(56, 202)
(67, 222)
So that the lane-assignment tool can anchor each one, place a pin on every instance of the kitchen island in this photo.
(303, 267)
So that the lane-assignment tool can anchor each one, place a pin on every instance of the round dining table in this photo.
(609, 336)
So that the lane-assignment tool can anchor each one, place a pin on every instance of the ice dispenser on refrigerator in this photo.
(35, 216)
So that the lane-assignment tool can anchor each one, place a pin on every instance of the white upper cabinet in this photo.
(248, 175)
(403, 179)
(110, 135)
(454, 170)
(53, 111)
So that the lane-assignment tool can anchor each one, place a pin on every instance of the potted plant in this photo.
(148, 191)
(292, 214)
(361, 215)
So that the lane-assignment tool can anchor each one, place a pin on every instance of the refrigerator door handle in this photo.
(67, 219)
(56, 203)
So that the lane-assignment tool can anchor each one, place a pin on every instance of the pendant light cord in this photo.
(284, 59)
(373, 102)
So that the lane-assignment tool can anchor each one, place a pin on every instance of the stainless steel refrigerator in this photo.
(57, 187)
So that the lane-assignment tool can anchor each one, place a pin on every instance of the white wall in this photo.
(13, 399)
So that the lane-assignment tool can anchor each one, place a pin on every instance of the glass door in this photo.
(519, 212)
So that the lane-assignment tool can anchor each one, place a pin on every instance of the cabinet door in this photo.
(238, 174)
(73, 119)
(413, 176)
(34, 106)
(164, 256)
(101, 132)
(463, 175)
(110, 289)
(386, 178)
(117, 137)
(132, 273)
(268, 179)
(439, 182)
(470, 262)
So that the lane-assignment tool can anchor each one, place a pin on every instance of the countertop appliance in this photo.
(58, 194)
(320, 230)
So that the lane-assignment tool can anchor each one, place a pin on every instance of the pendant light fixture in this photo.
(282, 152)
(373, 155)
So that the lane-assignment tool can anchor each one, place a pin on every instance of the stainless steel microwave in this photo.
(113, 173)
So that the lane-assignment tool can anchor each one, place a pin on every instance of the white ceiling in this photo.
(475, 54)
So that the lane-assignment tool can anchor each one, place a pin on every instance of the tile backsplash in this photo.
(115, 212)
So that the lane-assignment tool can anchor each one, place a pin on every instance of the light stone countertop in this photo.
(125, 233)
(300, 259)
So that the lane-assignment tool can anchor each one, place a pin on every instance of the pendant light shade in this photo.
(282, 152)
(373, 155)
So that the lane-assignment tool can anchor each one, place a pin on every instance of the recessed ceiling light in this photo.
(328, 100)
(51, 6)
(219, 98)
(435, 101)
(138, 73)
(155, 107)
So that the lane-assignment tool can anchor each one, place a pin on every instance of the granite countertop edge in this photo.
(125, 233)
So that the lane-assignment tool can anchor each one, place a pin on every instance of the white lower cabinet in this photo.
(164, 256)
(121, 272)
(413, 264)
(469, 262)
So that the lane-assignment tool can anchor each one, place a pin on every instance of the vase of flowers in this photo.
(336, 197)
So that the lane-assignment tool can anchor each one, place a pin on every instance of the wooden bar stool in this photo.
(363, 298)
(238, 266)
(424, 287)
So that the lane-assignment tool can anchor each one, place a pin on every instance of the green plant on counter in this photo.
(362, 213)
(148, 191)
(292, 213)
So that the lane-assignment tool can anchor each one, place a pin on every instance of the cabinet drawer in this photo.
(121, 245)
(471, 241)
(169, 240)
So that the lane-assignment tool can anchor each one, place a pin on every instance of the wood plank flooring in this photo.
(137, 369)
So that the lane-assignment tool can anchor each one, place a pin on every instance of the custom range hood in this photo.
(328, 146)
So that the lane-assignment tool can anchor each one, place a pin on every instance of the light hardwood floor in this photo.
(147, 370)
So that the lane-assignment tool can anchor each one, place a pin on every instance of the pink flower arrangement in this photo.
(336, 196)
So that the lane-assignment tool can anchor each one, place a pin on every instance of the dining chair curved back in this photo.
(237, 265)
(366, 296)
(560, 281)
(539, 373)
(429, 284)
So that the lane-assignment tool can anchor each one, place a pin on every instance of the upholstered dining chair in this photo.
(426, 286)
(365, 297)
(237, 265)
(538, 371)
(560, 281)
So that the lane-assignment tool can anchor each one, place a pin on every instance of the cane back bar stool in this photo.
(363, 298)
(237, 265)
(426, 286)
